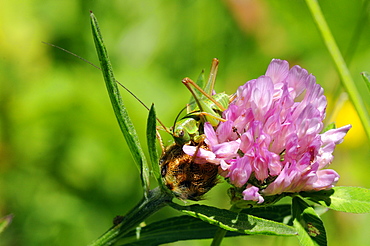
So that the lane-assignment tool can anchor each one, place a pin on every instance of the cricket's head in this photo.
(186, 129)
(181, 132)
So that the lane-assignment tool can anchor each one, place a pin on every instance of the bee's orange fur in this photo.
(186, 179)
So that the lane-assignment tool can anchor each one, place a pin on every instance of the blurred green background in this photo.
(65, 170)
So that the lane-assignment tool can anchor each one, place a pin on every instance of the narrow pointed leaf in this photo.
(232, 221)
(342, 198)
(167, 231)
(120, 111)
(310, 227)
(5, 222)
(151, 134)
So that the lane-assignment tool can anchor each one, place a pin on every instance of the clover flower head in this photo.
(270, 142)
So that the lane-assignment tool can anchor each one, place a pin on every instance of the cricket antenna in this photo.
(124, 87)
(177, 117)
(92, 64)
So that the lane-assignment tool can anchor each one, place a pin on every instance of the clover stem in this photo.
(156, 199)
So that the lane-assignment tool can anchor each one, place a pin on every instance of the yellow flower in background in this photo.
(357, 136)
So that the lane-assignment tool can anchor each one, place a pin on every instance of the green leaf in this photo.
(151, 134)
(155, 200)
(366, 77)
(342, 198)
(5, 222)
(303, 237)
(167, 231)
(310, 228)
(276, 212)
(233, 221)
(120, 111)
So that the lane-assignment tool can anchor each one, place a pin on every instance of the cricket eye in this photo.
(181, 133)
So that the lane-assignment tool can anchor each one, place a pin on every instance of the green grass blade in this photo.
(151, 134)
(340, 64)
(120, 111)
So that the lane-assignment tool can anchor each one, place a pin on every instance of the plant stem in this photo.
(156, 199)
(340, 64)
(220, 233)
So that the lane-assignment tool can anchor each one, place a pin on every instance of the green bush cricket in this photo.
(208, 108)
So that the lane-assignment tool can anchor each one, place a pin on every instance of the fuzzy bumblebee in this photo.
(186, 179)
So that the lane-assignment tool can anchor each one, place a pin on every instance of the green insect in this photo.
(203, 107)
